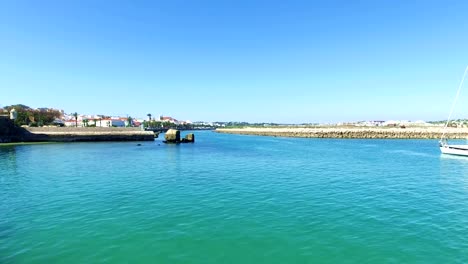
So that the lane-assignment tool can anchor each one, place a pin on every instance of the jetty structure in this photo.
(10, 133)
(352, 132)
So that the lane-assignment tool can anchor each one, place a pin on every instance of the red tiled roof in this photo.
(168, 118)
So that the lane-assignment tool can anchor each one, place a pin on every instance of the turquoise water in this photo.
(234, 199)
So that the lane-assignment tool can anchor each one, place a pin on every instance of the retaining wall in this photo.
(70, 134)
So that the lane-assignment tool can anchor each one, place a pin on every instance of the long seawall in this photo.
(352, 132)
(9, 134)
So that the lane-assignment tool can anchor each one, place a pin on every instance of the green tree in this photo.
(76, 118)
(129, 121)
(27, 116)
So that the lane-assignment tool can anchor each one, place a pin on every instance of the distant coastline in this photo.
(352, 132)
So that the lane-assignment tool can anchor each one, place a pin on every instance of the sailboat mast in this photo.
(454, 102)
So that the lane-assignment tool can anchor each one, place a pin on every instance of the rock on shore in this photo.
(173, 136)
(352, 132)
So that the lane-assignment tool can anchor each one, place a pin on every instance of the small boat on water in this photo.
(461, 150)
(445, 147)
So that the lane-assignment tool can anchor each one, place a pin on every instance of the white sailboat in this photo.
(445, 147)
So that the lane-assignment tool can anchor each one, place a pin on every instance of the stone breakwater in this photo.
(352, 132)
(74, 134)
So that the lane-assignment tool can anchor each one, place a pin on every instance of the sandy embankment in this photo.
(351, 132)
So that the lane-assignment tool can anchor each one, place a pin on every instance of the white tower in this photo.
(13, 114)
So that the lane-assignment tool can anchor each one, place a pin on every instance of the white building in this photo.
(111, 122)
(72, 123)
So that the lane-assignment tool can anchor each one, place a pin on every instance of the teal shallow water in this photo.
(234, 199)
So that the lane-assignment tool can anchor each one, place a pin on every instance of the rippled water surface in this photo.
(234, 199)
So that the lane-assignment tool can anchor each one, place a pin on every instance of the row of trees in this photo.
(158, 124)
(33, 117)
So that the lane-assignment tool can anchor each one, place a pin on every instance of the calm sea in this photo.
(234, 199)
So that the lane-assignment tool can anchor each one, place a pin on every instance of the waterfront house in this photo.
(111, 122)
(169, 119)
(72, 123)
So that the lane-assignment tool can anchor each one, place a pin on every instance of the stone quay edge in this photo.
(75, 134)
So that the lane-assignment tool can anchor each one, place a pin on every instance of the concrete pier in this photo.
(11, 134)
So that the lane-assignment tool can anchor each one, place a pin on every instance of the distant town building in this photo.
(111, 122)
(169, 119)
(72, 123)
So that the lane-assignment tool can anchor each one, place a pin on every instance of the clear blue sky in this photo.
(272, 61)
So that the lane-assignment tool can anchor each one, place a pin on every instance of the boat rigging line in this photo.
(453, 104)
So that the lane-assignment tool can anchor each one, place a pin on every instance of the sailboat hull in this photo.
(460, 150)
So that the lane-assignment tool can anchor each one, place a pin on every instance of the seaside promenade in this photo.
(434, 132)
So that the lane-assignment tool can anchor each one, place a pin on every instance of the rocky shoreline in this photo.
(352, 132)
